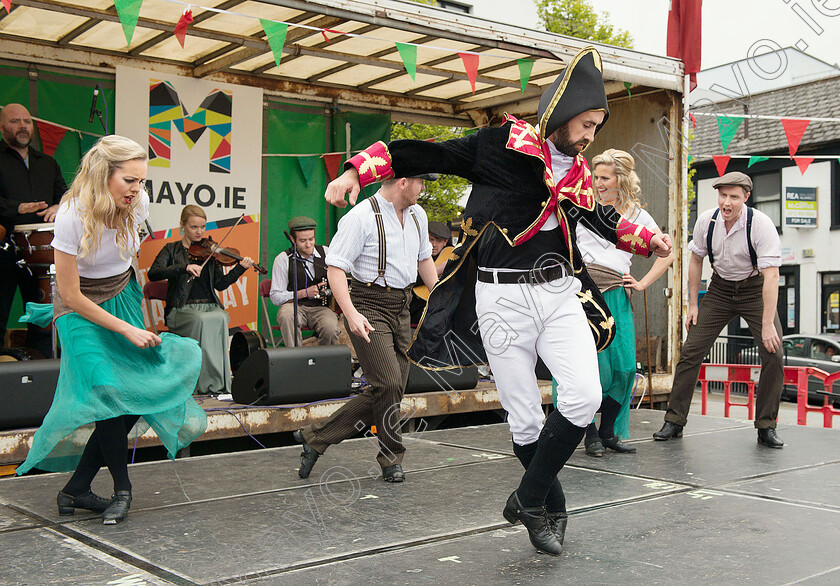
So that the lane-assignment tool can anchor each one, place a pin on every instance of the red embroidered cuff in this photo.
(373, 164)
(633, 238)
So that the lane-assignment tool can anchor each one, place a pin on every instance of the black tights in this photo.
(609, 413)
(106, 446)
(558, 439)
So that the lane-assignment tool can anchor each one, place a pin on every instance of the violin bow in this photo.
(216, 247)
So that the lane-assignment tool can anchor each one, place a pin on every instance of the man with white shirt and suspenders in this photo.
(744, 250)
(383, 244)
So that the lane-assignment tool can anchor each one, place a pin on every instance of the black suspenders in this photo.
(753, 255)
(380, 229)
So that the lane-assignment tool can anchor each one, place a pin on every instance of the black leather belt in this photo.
(532, 277)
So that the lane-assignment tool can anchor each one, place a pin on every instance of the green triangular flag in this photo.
(727, 127)
(275, 33)
(129, 12)
(627, 85)
(525, 67)
(408, 54)
(754, 160)
(307, 165)
(86, 142)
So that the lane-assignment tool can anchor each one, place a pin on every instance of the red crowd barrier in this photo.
(749, 374)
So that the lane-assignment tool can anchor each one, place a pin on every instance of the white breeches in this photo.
(519, 322)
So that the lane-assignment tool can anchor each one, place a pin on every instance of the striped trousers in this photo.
(385, 365)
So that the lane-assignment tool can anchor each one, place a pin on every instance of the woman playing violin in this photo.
(193, 308)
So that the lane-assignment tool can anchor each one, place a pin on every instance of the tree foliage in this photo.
(577, 18)
(441, 197)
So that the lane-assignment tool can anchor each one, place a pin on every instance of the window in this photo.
(796, 347)
(455, 6)
(767, 195)
(830, 302)
(835, 198)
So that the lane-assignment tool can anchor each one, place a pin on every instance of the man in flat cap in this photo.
(744, 251)
(383, 243)
(515, 285)
(313, 312)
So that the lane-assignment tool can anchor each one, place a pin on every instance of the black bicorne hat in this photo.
(579, 89)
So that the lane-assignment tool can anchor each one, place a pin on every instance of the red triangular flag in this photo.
(721, 161)
(51, 135)
(324, 32)
(332, 161)
(794, 129)
(181, 27)
(471, 67)
(8, 5)
(803, 162)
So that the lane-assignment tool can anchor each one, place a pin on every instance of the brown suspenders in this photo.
(380, 229)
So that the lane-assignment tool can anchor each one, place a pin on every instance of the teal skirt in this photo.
(617, 363)
(102, 375)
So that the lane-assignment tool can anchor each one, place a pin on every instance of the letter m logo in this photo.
(213, 116)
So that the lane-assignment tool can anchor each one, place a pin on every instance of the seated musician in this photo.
(313, 312)
(440, 237)
(193, 308)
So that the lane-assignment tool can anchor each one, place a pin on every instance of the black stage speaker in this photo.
(428, 381)
(27, 388)
(275, 376)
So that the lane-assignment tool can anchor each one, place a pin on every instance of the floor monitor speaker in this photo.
(28, 388)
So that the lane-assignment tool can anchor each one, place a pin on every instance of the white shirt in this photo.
(595, 249)
(280, 275)
(106, 261)
(355, 247)
(732, 255)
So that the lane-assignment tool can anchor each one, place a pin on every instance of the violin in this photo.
(205, 248)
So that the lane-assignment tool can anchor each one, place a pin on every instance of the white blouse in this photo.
(597, 250)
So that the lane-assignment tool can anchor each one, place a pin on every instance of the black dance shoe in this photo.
(68, 504)
(393, 473)
(668, 431)
(767, 437)
(536, 522)
(118, 509)
(308, 456)
(615, 443)
(557, 522)
(594, 447)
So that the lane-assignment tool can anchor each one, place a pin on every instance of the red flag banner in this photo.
(684, 34)
(332, 161)
(721, 161)
(794, 129)
(803, 163)
(471, 67)
(181, 27)
(51, 135)
(8, 5)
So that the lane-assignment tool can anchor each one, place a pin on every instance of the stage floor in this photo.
(711, 508)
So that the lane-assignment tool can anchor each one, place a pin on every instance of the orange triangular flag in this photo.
(794, 129)
(51, 135)
(332, 161)
(721, 161)
(181, 27)
(471, 67)
(803, 163)
(8, 5)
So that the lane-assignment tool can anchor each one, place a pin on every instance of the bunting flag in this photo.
(408, 54)
(51, 135)
(324, 32)
(794, 129)
(86, 142)
(129, 12)
(525, 68)
(627, 86)
(8, 5)
(721, 161)
(693, 120)
(803, 163)
(332, 161)
(754, 160)
(471, 67)
(181, 28)
(307, 165)
(727, 129)
(275, 33)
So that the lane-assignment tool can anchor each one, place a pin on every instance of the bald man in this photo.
(31, 186)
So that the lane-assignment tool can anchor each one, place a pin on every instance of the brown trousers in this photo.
(385, 365)
(723, 301)
(319, 318)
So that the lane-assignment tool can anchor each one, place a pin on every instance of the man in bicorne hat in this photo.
(515, 286)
